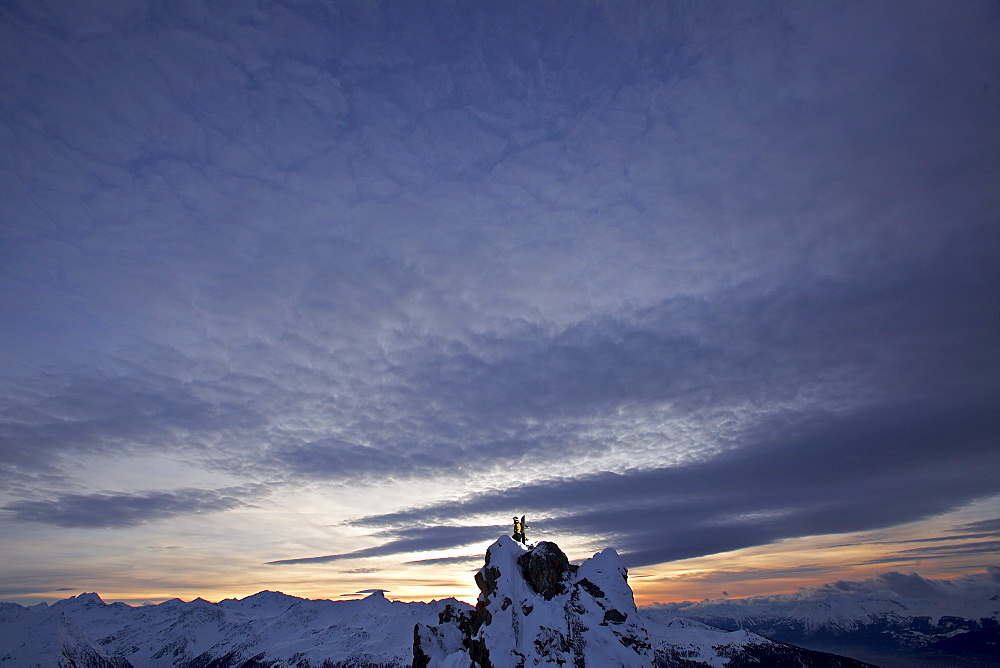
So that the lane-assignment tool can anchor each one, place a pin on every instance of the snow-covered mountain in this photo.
(534, 609)
(891, 619)
(266, 629)
(29, 638)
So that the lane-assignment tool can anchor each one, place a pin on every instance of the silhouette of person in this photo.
(519, 530)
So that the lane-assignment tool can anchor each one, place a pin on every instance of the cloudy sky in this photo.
(315, 296)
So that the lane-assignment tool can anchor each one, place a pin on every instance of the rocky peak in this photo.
(535, 608)
(90, 597)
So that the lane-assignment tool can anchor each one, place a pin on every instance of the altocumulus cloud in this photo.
(818, 345)
(656, 258)
(52, 418)
(118, 510)
(901, 424)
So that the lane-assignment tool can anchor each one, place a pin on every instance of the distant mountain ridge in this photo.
(266, 629)
(892, 619)
(534, 609)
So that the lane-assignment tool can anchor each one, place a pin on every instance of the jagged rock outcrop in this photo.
(535, 609)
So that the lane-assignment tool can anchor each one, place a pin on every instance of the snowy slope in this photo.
(30, 638)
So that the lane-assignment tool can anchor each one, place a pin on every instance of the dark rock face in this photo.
(614, 617)
(420, 658)
(544, 568)
(591, 588)
(479, 653)
(486, 579)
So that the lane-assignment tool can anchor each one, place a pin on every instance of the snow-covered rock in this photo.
(534, 609)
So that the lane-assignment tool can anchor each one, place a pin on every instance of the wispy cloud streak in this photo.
(119, 510)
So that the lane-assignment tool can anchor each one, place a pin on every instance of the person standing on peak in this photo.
(519, 530)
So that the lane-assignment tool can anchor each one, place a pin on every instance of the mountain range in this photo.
(893, 619)
(534, 609)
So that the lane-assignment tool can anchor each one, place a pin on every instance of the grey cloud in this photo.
(410, 540)
(957, 549)
(90, 411)
(118, 510)
(912, 585)
(734, 346)
(439, 406)
(803, 476)
(972, 530)
(959, 590)
(940, 539)
(989, 527)
(964, 540)
(333, 457)
(749, 574)
(822, 344)
(367, 91)
(15, 591)
(467, 559)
